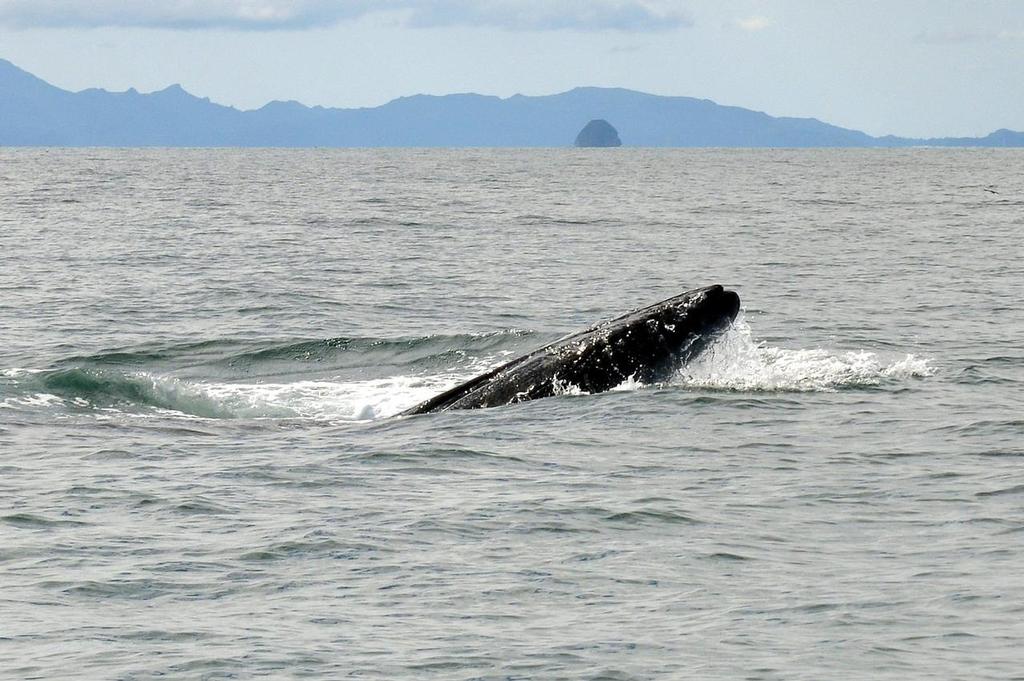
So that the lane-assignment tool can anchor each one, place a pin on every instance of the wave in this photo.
(146, 393)
(141, 382)
(289, 356)
(343, 378)
(738, 362)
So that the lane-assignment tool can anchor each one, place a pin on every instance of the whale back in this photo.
(646, 344)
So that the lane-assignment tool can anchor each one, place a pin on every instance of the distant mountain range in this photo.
(35, 113)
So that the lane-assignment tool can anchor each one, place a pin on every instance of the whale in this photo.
(646, 345)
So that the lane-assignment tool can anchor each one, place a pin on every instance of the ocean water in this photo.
(201, 474)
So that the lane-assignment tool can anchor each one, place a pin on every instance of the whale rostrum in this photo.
(646, 345)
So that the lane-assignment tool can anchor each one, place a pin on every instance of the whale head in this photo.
(651, 343)
(647, 345)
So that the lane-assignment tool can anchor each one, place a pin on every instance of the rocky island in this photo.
(598, 133)
(36, 113)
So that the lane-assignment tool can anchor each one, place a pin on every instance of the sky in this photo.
(915, 68)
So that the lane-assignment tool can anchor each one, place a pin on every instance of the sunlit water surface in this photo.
(202, 353)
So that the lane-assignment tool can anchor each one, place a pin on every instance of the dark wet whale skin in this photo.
(647, 345)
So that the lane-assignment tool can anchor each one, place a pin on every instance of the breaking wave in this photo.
(330, 379)
(369, 378)
(142, 392)
(736, 361)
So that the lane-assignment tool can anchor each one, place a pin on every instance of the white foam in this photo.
(315, 400)
(909, 367)
(325, 400)
(734, 362)
(15, 372)
(629, 384)
(562, 387)
(737, 362)
(36, 400)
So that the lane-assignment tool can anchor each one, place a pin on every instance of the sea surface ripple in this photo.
(201, 473)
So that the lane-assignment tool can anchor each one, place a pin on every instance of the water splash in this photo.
(329, 401)
(737, 362)
(734, 362)
(144, 393)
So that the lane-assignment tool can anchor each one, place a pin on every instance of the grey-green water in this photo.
(200, 354)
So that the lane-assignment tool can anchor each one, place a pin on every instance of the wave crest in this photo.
(410, 371)
(142, 393)
(737, 362)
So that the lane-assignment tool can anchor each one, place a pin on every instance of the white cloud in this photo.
(623, 15)
(754, 23)
(582, 15)
(177, 14)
